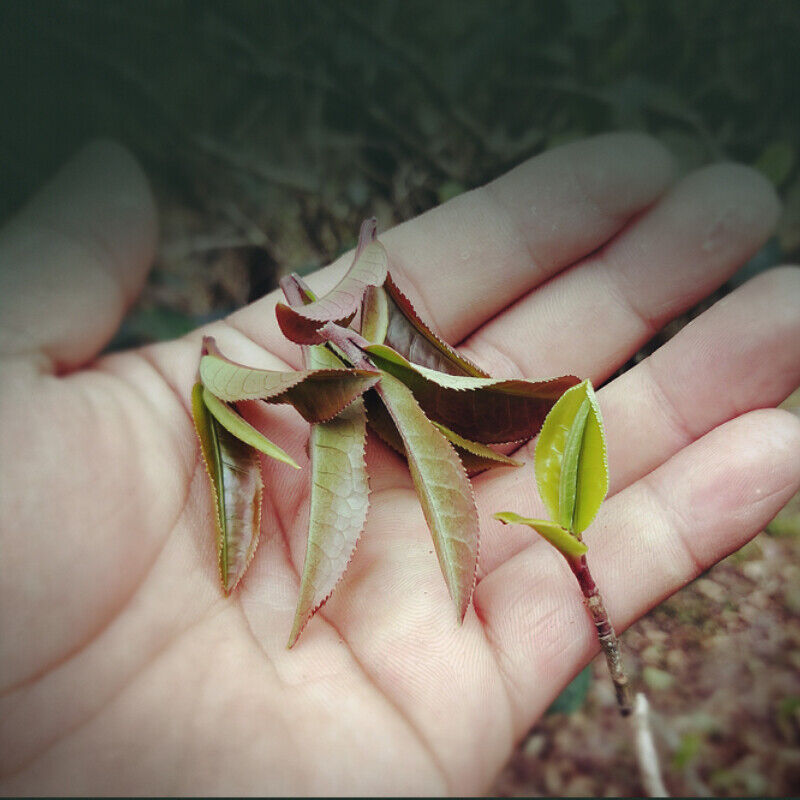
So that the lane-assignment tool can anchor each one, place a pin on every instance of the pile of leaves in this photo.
(370, 361)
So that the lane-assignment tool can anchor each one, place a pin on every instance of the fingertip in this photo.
(625, 171)
(781, 282)
(75, 257)
(736, 479)
(103, 194)
(775, 293)
(735, 203)
(782, 437)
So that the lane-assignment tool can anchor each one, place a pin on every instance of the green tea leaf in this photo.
(301, 324)
(412, 338)
(234, 470)
(317, 394)
(375, 315)
(475, 457)
(570, 459)
(243, 430)
(568, 485)
(559, 537)
(443, 488)
(485, 410)
(339, 499)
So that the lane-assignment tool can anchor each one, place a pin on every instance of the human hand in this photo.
(125, 670)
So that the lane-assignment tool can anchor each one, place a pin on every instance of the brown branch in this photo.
(605, 633)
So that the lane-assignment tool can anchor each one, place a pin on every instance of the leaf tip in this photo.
(367, 233)
(301, 619)
(294, 636)
(209, 346)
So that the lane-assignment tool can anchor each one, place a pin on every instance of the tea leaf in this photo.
(301, 324)
(339, 500)
(317, 394)
(375, 315)
(243, 430)
(485, 410)
(559, 537)
(475, 457)
(570, 459)
(234, 470)
(412, 338)
(443, 488)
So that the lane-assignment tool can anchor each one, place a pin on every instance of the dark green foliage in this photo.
(261, 96)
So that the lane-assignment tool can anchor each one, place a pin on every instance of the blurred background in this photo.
(269, 130)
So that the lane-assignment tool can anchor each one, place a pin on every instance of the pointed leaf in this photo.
(317, 394)
(412, 338)
(443, 488)
(475, 457)
(559, 537)
(570, 459)
(381, 422)
(243, 430)
(234, 470)
(301, 324)
(375, 315)
(339, 500)
(486, 410)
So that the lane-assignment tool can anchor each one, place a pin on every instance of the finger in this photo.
(463, 262)
(742, 354)
(75, 257)
(592, 318)
(647, 542)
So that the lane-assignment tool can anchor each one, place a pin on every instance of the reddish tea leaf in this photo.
(475, 457)
(390, 312)
(339, 500)
(243, 430)
(485, 410)
(443, 488)
(301, 324)
(317, 394)
(235, 473)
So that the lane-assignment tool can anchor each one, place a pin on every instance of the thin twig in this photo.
(646, 753)
(605, 633)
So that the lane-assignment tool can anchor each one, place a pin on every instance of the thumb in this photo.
(75, 257)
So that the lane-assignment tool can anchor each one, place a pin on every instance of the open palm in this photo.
(125, 670)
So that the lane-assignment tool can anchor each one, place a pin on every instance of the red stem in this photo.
(605, 632)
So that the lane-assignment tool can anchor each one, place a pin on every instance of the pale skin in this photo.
(123, 667)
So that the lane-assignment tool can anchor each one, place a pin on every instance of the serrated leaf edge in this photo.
(197, 397)
(297, 631)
